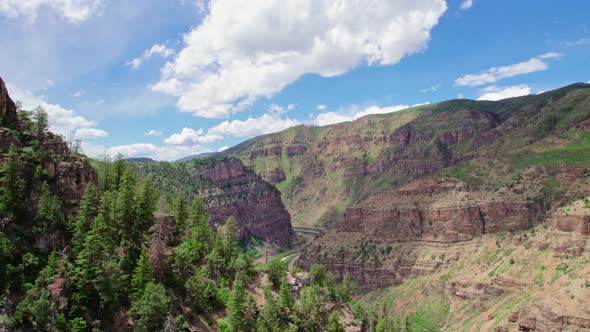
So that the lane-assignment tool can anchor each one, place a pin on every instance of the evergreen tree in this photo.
(230, 236)
(142, 275)
(124, 209)
(334, 324)
(285, 297)
(151, 309)
(201, 290)
(12, 185)
(199, 223)
(236, 306)
(119, 168)
(96, 270)
(146, 205)
(89, 207)
(344, 289)
(180, 213)
(41, 123)
(49, 214)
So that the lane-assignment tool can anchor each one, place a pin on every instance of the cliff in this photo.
(322, 171)
(231, 189)
(228, 188)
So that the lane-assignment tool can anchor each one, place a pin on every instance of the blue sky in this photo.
(166, 79)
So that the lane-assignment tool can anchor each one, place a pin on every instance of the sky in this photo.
(168, 79)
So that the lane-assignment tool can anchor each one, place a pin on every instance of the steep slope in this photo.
(322, 171)
(42, 157)
(227, 188)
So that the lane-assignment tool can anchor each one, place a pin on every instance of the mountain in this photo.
(197, 156)
(227, 188)
(471, 213)
(321, 171)
(140, 160)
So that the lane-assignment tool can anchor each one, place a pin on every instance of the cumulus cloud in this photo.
(61, 120)
(152, 133)
(498, 93)
(156, 49)
(143, 150)
(495, 74)
(265, 124)
(223, 148)
(190, 136)
(225, 65)
(75, 11)
(89, 133)
(466, 4)
(321, 107)
(353, 113)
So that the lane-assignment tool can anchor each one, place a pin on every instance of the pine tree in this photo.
(151, 309)
(230, 239)
(142, 275)
(285, 297)
(180, 213)
(119, 168)
(146, 205)
(12, 185)
(334, 324)
(236, 305)
(201, 290)
(89, 207)
(49, 214)
(199, 223)
(124, 210)
(41, 122)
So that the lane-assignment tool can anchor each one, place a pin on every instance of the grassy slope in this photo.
(559, 281)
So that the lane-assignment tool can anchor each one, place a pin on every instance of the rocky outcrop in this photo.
(573, 218)
(7, 108)
(436, 210)
(231, 189)
(540, 318)
(68, 173)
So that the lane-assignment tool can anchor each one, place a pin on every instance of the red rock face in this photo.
(440, 211)
(7, 108)
(231, 189)
(572, 223)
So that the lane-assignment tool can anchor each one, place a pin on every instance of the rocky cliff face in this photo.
(231, 189)
(323, 171)
(7, 108)
(67, 172)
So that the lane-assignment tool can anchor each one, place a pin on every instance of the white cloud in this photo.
(550, 55)
(89, 133)
(73, 10)
(291, 107)
(143, 150)
(353, 113)
(157, 49)
(152, 133)
(321, 107)
(495, 74)
(583, 41)
(498, 93)
(190, 136)
(223, 148)
(328, 118)
(265, 124)
(61, 120)
(466, 4)
(226, 65)
(433, 88)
